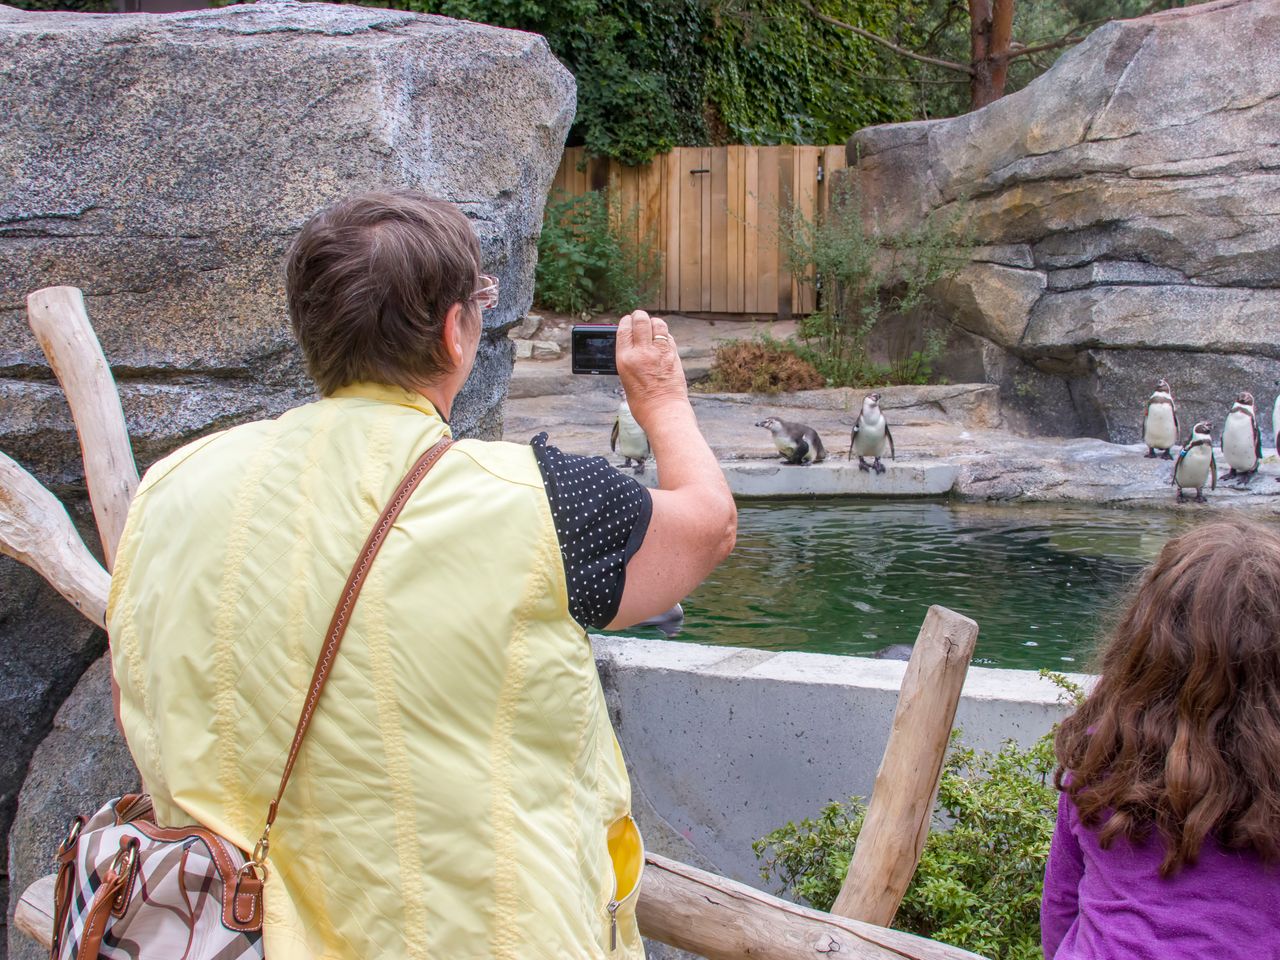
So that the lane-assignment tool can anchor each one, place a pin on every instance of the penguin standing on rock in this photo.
(1241, 439)
(870, 435)
(628, 437)
(1196, 465)
(1160, 421)
(1275, 422)
(797, 443)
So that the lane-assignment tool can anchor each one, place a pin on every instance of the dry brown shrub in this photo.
(761, 366)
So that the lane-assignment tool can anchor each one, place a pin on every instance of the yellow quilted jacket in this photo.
(455, 793)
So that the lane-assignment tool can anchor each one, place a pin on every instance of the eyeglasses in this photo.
(487, 293)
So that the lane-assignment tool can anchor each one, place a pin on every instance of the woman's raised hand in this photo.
(649, 366)
(694, 521)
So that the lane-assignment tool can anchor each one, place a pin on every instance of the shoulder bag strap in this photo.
(338, 627)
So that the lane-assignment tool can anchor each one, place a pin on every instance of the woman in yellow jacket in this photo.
(460, 786)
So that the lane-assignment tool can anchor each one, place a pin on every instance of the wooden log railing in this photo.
(61, 325)
(681, 905)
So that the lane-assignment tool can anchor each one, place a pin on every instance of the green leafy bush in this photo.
(865, 276)
(587, 261)
(981, 875)
(655, 74)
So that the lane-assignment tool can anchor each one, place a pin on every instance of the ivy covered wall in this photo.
(655, 74)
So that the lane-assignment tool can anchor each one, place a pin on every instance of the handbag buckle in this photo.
(73, 835)
(256, 865)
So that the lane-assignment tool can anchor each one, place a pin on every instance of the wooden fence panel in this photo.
(766, 239)
(713, 215)
(719, 230)
(786, 203)
(670, 232)
(736, 181)
(693, 276)
(751, 235)
(805, 188)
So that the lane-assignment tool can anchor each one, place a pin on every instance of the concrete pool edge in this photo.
(728, 743)
(1086, 472)
(772, 479)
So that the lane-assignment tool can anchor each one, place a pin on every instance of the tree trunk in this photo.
(990, 33)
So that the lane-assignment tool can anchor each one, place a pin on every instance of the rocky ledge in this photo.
(950, 440)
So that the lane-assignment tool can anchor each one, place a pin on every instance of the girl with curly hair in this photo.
(1167, 843)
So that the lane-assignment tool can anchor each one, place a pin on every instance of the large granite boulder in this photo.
(81, 764)
(1128, 208)
(162, 163)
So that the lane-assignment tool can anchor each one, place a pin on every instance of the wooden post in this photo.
(901, 810)
(34, 913)
(35, 530)
(58, 319)
(721, 919)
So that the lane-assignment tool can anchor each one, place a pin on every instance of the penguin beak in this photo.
(761, 423)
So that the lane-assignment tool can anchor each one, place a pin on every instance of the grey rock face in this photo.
(44, 647)
(1127, 209)
(163, 163)
(82, 763)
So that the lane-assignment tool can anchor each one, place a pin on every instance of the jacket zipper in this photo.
(614, 904)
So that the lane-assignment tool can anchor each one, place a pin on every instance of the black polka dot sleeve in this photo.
(601, 517)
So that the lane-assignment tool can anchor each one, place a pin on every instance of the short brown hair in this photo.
(1182, 731)
(369, 282)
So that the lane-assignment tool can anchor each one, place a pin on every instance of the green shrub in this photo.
(981, 875)
(587, 261)
(864, 276)
(763, 365)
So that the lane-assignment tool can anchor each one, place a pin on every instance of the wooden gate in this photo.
(713, 213)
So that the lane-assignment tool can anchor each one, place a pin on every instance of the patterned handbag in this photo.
(129, 889)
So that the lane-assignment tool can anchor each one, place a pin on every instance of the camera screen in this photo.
(593, 349)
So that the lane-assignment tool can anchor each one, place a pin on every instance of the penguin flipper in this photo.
(889, 436)
(1182, 455)
(613, 436)
(1213, 470)
(857, 424)
(797, 455)
(1257, 442)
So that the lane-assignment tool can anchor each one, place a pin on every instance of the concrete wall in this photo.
(726, 744)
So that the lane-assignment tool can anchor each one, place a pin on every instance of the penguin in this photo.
(1275, 422)
(1160, 421)
(870, 433)
(1241, 439)
(1196, 465)
(628, 438)
(797, 443)
(670, 622)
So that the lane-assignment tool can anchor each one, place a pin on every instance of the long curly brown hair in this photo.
(1182, 731)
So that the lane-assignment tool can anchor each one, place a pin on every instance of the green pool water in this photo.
(852, 577)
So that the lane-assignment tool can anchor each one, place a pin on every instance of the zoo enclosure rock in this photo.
(81, 764)
(1128, 207)
(162, 163)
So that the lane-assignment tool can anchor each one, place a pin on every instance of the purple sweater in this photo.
(1114, 905)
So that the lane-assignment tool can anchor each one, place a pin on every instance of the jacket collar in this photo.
(387, 393)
